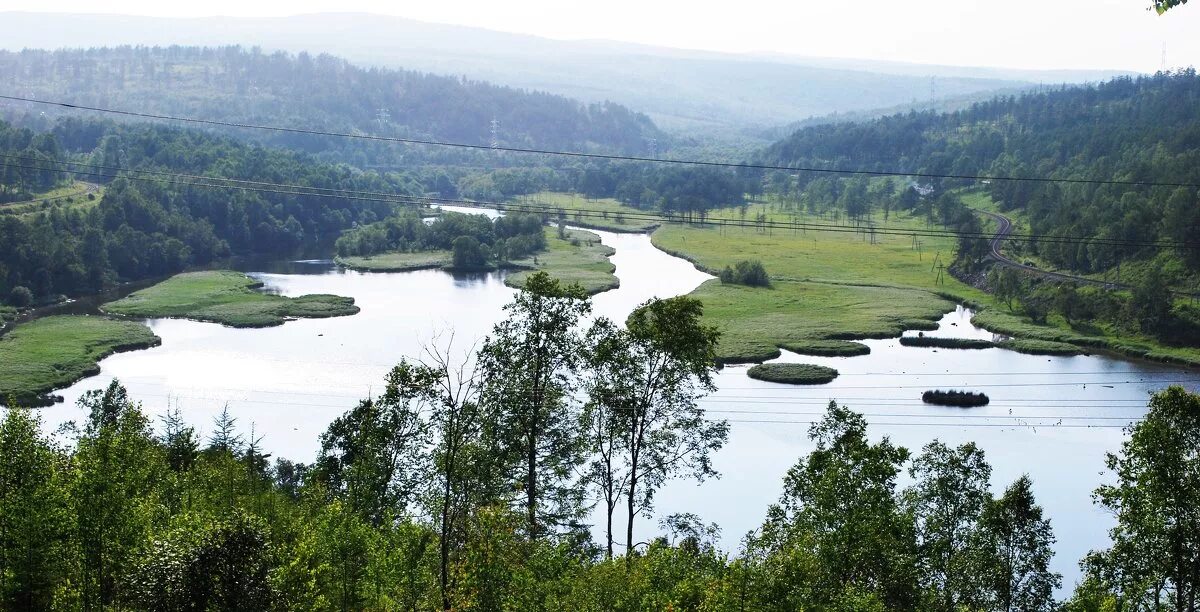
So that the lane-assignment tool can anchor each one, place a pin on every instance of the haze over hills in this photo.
(681, 90)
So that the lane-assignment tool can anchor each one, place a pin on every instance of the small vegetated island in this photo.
(229, 298)
(793, 373)
(962, 399)
(466, 243)
(53, 352)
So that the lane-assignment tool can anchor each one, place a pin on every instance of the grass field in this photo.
(228, 298)
(609, 214)
(397, 262)
(586, 264)
(826, 285)
(50, 353)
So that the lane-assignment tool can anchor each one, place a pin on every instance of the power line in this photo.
(610, 157)
(304, 190)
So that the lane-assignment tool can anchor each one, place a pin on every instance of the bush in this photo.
(747, 272)
(20, 297)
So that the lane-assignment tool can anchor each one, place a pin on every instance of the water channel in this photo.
(1053, 418)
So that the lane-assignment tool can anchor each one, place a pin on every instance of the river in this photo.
(1053, 418)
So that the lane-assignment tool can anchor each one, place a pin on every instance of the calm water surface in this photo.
(1050, 417)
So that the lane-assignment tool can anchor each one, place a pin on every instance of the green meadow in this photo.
(53, 352)
(226, 297)
(580, 258)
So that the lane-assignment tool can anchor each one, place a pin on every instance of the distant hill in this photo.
(685, 91)
(318, 91)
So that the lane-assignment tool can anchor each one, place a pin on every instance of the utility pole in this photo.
(1162, 67)
(940, 278)
(936, 260)
(495, 133)
(932, 93)
(653, 148)
(383, 117)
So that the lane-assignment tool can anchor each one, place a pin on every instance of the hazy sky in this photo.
(1011, 33)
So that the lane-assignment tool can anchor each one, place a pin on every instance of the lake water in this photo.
(1053, 418)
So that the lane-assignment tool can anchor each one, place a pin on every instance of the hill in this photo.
(320, 92)
(683, 91)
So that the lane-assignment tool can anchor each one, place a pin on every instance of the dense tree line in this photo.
(325, 93)
(146, 226)
(686, 192)
(1131, 129)
(498, 240)
(464, 484)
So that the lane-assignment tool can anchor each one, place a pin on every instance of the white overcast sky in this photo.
(1118, 34)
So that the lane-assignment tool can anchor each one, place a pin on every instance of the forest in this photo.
(1143, 129)
(466, 484)
(147, 225)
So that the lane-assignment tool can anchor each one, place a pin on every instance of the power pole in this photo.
(940, 278)
(932, 93)
(383, 117)
(1162, 67)
(936, 260)
(653, 148)
(495, 133)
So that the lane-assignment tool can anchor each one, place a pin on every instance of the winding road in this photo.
(1004, 228)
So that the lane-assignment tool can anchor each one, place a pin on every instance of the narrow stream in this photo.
(1051, 417)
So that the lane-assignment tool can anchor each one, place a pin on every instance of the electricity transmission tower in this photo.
(495, 133)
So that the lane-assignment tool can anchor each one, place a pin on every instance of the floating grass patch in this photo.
(51, 353)
(793, 373)
(951, 343)
(397, 262)
(827, 348)
(1040, 347)
(228, 298)
(961, 399)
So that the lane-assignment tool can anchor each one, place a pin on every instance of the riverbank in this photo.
(226, 297)
(47, 354)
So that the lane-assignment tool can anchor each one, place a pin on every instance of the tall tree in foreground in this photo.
(667, 363)
(119, 469)
(527, 366)
(946, 502)
(1017, 547)
(1155, 556)
(34, 514)
(837, 539)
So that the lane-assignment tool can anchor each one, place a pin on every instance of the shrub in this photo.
(20, 297)
(747, 272)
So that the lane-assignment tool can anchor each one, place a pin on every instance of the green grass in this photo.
(608, 208)
(51, 353)
(755, 322)
(73, 195)
(826, 348)
(827, 285)
(7, 313)
(1040, 347)
(793, 373)
(950, 343)
(228, 298)
(586, 264)
(398, 262)
(838, 285)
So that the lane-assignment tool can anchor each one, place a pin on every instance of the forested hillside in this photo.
(321, 92)
(149, 225)
(1128, 129)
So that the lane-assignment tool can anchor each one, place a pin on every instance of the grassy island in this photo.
(579, 258)
(827, 348)
(961, 399)
(226, 297)
(951, 343)
(51, 353)
(397, 262)
(793, 373)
